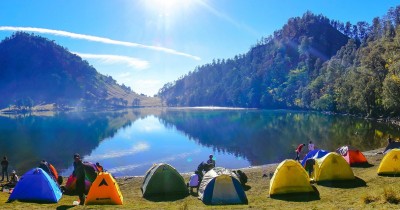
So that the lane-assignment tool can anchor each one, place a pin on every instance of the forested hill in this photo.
(311, 63)
(35, 70)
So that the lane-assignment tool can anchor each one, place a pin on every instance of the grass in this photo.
(369, 191)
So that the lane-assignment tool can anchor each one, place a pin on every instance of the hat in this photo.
(76, 155)
(13, 171)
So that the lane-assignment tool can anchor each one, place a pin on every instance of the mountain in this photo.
(312, 63)
(35, 70)
(264, 76)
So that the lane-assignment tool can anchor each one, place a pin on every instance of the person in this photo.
(13, 181)
(310, 162)
(298, 151)
(194, 181)
(4, 168)
(390, 140)
(210, 163)
(311, 146)
(99, 167)
(79, 172)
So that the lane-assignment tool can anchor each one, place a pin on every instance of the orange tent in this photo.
(352, 156)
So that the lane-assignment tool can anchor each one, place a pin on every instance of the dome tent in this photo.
(36, 186)
(104, 190)
(290, 177)
(163, 180)
(332, 167)
(390, 164)
(221, 186)
(317, 153)
(352, 155)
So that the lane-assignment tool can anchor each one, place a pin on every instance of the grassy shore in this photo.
(369, 191)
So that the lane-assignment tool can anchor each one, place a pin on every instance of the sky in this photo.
(145, 44)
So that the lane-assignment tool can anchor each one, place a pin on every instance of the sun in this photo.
(169, 8)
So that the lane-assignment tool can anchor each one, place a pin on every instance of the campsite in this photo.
(367, 191)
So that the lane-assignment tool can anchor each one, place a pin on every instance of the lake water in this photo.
(128, 142)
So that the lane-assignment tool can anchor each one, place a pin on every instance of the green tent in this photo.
(163, 180)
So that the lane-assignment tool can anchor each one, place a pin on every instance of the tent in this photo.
(390, 164)
(91, 171)
(37, 186)
(221, 186)
(352, 156)
(332, 167)
(290, 177)
(163, 180)
(104, 190)
(317, 153)
(392, 145)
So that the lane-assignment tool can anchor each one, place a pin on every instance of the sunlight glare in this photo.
(169, 8)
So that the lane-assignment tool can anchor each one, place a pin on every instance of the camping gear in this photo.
(390, 164)
(90, 175)
(37, 186)
(91, 171)
(241, 176)
(332, 167)
(104, 190)
(163, 180)
(352, 156)
(392, 145)
(221, 186)
(70, 186)
(194, 180)
(290, 177)
(317, 153)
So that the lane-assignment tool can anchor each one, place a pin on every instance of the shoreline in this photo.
(265, 167)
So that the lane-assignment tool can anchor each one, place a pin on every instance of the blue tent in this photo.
(221, 186)
(317, 153)
(37, 186)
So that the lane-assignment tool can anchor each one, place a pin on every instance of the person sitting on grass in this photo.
(13, 181)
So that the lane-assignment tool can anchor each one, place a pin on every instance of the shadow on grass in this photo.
(299, 197)
(63, 207)
(162, 198)
(345, 184)
(390, 175)
(246, 187)
(363, 165)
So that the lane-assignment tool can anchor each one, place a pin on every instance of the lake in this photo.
(128, 142)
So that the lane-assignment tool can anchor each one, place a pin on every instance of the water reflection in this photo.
(128, 142)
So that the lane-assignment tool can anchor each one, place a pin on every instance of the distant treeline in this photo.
(311, 63)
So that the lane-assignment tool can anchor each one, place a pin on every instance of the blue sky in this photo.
(147, 43)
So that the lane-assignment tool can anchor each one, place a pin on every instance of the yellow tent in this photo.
(390, 164)
(290, 177)
(332, 167)
(104, 190)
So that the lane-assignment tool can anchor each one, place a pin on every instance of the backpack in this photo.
(242, 176)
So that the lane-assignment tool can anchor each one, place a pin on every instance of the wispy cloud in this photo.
(140, 147)
(113, 59)
(96, 39)
(121, 169)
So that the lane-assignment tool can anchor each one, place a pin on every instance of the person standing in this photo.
(79, 172)
(298, 151)
(99, 167)
(4, 168)
(311, 146)
(210, 163)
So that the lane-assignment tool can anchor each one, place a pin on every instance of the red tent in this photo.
(353, 156)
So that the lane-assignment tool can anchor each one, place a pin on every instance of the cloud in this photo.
(96, 39)
(113, 59)
(120, 169)
(140, 147)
